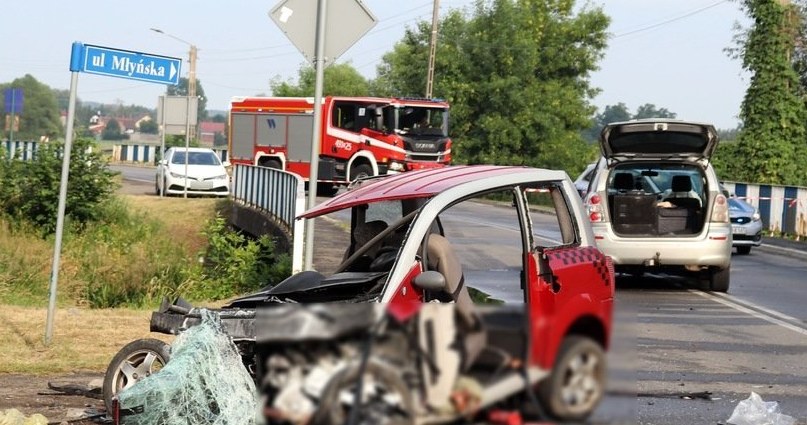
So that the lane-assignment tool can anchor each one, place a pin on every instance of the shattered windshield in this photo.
(422, 121)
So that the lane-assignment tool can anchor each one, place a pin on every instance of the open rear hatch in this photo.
(658, 139)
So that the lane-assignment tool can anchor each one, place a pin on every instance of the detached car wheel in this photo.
(577, 382)
(389, 401)
(135, 361)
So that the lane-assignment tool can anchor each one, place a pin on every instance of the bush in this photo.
(235, 264)
(127, 259)
(29, 190)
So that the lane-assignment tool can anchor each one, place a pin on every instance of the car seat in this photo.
(442, 258)
(363, 233)
(623, 182)
(681, 193)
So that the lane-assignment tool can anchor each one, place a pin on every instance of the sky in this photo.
(669, 53)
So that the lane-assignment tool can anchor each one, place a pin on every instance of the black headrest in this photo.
(681, 184)
(623, 181)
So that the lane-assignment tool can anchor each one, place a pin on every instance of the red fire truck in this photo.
(361, 136)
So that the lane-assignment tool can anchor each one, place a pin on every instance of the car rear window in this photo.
(662, 142)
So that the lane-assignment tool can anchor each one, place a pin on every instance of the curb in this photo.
(782, 250)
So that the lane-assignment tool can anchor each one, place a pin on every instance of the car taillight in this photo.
(594, 204)
(720, 211)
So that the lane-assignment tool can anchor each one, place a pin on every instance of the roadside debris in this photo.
(204, 383)
(755, 411)
(15, 417)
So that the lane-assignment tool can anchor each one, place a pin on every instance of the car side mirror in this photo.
(430, 280)
(226, 164)
(163, 161)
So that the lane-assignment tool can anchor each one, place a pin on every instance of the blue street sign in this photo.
(14, 100)
(131, 65)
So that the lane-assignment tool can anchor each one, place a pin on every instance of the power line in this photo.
(671, 20)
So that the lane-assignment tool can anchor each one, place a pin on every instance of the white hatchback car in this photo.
(206, 174)
(655, 203)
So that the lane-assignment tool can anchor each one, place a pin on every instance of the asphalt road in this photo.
(682, 355)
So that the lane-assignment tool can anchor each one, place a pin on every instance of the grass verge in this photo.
(83, 339)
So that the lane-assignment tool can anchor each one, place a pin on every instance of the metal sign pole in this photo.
(162, 147)
(75, 67)
(315, 139)
(187, 142)
(11, 123)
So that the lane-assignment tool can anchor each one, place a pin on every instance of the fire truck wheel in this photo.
(272, 163)
(360, 171)
(577, 382)
(327, 189)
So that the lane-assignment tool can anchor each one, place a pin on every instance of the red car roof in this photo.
(410, 185)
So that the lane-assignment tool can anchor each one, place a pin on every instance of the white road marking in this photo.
(764, 313)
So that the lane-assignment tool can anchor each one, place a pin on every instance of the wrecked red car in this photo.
(508, 249)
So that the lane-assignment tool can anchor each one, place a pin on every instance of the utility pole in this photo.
(432, 49)
(191, 74)
(192, 82)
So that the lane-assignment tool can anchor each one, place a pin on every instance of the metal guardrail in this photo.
(278, 194)
(147, 153)
(20, 149)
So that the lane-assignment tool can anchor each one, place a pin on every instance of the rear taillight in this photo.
(720, 211)
(595, 209)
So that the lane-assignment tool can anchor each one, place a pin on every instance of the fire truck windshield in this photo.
(422, 121)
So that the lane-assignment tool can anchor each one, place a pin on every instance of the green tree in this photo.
(611, 113)
(772, 142)
(517, 76)
(40, 115)
(648, 110)
(149, 127)
(29, 190)
(112, 131)
(181, 89)
(338, 80)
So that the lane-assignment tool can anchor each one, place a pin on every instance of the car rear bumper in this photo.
(709, 249)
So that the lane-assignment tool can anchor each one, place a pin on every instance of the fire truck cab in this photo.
(361, 136)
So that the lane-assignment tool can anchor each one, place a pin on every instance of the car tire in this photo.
(743, 250)
(360, 171)
(720, 279)
(327, 189)
(157, 185)
(332, 409)
(143, 356)
(576, 384)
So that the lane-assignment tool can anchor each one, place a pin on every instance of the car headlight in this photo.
(756, 216)
(220, 177)
(177, 176)
(396, 166)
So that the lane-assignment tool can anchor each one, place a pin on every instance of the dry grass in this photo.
(83, 339)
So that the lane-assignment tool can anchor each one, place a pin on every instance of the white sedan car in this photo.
(206, 174)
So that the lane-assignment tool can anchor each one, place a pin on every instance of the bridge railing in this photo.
(277, 194)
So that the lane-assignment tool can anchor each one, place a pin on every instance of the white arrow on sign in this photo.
(172, 72)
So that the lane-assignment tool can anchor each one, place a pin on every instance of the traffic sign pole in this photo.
(319, 61)
(113, 63)
(68, 144)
